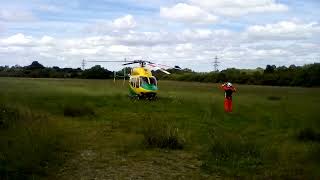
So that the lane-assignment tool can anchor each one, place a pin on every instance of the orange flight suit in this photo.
(228, 97)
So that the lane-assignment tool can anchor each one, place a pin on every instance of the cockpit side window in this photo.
(153, 81)
(146, 80)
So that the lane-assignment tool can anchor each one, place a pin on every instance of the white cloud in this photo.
(187, 13)
(2, 28)
(284, 30)
(240, 7)
(18, 39)
(16, 15)
(184, 47)
(119, 49)
(208, 11)
(49, 8)
(204, 34)
(47, 40)
(125, 22)
(134, 38)
(82, 51)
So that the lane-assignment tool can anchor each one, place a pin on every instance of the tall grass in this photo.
(162, 134)
(28, 142)
(227, 150)
(259, 139)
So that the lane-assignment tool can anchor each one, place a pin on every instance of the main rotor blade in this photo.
(162, 65)
(167, 67)
(164, 71)
(109, 61)
(158, 68)
(129, 63)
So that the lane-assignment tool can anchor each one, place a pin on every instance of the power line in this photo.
(216, 64)
(83, 64)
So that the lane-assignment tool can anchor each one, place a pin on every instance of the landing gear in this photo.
(147, 96)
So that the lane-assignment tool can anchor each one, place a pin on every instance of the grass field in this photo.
(86, 129)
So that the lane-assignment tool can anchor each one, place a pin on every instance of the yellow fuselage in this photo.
(142, 83)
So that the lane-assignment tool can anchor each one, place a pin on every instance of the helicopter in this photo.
(142, 84)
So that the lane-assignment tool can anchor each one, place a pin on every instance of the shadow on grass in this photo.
(77, 110)
(274, 98)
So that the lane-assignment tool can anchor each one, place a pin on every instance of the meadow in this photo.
(90, 129)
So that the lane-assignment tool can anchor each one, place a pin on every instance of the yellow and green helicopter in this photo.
(142, 84)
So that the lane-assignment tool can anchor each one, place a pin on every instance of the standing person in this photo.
(228, 90)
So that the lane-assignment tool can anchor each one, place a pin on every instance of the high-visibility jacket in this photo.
(228, 91)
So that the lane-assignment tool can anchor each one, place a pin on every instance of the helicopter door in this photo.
(135, 82)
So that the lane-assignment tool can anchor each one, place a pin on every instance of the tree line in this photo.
(37, 70)
(307, 75)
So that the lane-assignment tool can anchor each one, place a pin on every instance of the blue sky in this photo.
(189, 33)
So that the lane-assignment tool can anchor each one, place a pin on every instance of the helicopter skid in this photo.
(148, 96)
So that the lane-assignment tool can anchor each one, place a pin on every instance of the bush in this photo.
(77, 110)
(308, 134)
(161, 134)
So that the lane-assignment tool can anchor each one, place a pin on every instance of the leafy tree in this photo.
(35, 65)
(97, 72)
(270, 69)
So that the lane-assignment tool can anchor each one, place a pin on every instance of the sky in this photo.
(189, 33)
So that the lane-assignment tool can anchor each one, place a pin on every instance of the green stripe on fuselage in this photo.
(149, 87)
(131, 91)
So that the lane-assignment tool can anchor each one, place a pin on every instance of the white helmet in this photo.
(229, 84)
